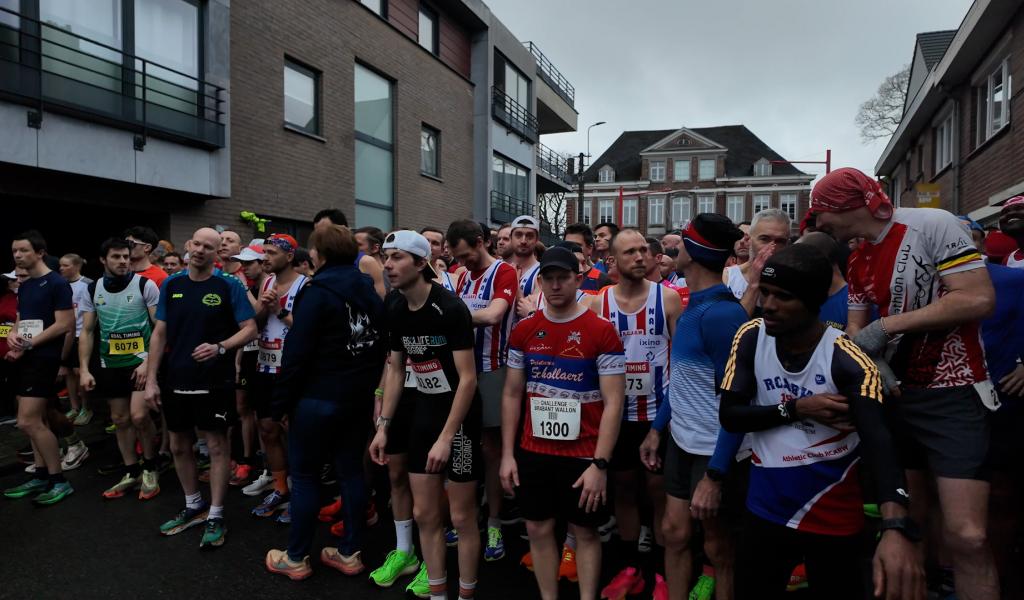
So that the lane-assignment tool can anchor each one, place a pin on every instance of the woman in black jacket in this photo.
(332, 362)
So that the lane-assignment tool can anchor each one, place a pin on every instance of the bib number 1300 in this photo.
(555, 418)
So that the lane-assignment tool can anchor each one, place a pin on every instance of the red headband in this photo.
(848, 189)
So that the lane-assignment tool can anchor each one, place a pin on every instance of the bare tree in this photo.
(880, 116)
(552, 210)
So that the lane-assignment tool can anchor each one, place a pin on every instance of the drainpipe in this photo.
(956, 148)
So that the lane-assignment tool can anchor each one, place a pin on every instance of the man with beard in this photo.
(504, 244)
(769, 232)
(1011, 222)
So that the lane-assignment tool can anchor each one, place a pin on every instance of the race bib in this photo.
(430, 377)
(5, 329)
(410, 377)
(129, 342)
(30, 328)
(988, 394)
(638, 378)
(253, 345)
(270, 353)
(555, 418)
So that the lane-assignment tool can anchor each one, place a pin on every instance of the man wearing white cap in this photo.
(525, 235)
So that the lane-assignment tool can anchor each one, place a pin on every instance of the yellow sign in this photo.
(928, 195)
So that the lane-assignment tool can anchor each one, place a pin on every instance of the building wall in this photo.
(453, 39)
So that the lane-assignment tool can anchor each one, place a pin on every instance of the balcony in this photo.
(553, 174)
(49, 68)
(556, 97)
(504, 208)
(516, 117)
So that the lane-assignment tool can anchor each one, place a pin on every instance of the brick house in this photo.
(668, 176)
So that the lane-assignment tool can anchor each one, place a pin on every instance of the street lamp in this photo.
(579, 198)
(588, 135)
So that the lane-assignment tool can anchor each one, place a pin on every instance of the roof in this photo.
(743, 150)
(933, 45)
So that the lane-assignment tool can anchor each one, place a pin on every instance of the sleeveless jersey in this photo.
(271, 340)
(646, 339)
(123, 322)
(1013, 262)
(79, 289)
(446, 281)
(491, 340)
(528, 282)
(736, 282)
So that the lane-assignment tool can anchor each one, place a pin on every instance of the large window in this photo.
(430, 151)
(944, 143)
(605, 175)
(301, 93)
(167, 33)
(762, 202)
(787, 202)
(629, 212)
(374, 150)
(993, 101)
(657, 170)
(655, 210)
(605, 211)
(512, 180)
(377, 6)
(707, 169)
(428, 29)
(706, 203)
(587, 207)
(734, 208)
(77, 59)
(681, 169)
(515, 85)
(680, 211)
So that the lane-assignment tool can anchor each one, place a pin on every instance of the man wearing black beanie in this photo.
(809, 396)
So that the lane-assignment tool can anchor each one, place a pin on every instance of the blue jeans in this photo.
(319, 429)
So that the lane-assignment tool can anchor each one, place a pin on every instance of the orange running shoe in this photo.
(629, 581)
(567, 567)
(330, 512)
(527, 561)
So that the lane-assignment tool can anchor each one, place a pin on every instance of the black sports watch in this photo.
(715, 475)
(600, 463)
(904, 525)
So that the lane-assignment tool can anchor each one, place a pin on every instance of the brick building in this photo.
(957, 147)
(668, 176)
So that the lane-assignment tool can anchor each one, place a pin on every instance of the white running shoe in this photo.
(76, 455)
(262, 483)
(643, 545)
(605, 531)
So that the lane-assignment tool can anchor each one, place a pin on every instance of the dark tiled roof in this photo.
(744, 149)
(933, 45)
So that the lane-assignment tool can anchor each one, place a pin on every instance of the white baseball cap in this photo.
(251, 253)
(12, 275)
(526, 222)
(407, 241)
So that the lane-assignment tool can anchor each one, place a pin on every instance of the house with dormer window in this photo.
(668, 176)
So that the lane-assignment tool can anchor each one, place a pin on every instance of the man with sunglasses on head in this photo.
(141, 241)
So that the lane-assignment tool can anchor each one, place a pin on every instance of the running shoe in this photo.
(277, 561)
(330, 512)
(76, 455)
(646, 540)
(150, 485)
(72, 414)
(118, 489)
(259, 485)
(214, 535)
(111, 429)
(660, 588)
(451, 537)
(274, 502)
(527, 561)
(420, 585)
(495, 549)
(83, 418)
(629, 581)
(371, 513)
(567, 567)
(32, 468)
(338, 529)
(202, 462)
(204, 476)
(285, 517)
(32, 486)
(189, 517)
(349, 565)
(397, 564)
(26, 454)
(63, 394)
(797, 579)
(606, 530)
(55, 494)
(240, 476)
(704, 589)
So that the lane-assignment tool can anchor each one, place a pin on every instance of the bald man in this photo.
(230, 245)
(203, 317)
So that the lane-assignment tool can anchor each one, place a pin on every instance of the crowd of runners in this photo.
(733, 410)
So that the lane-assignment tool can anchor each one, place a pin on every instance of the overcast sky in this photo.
(793, 71)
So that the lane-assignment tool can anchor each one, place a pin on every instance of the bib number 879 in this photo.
(554, 429)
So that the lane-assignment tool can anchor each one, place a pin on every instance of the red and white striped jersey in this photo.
(478, 290)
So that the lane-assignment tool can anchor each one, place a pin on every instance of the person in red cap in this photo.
(1011, 222)
(999, 246)
(921, 270)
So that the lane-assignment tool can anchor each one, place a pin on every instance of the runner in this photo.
(603, 234)
(434, 330)
(701, 481)
(671, 240)
(303, 263)
(173, 263)
(667, 265)
(489, 289)
(142, 240)
(505, 249)
(914, 257)
(366, 264)
(231, 245)
(808, 395)
(644, 315)
(567, 366)
(45, 317)
(769, 231)
(8, 316)
(594, 279)
(71, 271)
(251, 257)
(276, 300)
(118, 312)
(835, 311)
(202, 318)
(1011, 222)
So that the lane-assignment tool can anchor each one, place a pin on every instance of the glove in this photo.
(872, 339)
(890, 384)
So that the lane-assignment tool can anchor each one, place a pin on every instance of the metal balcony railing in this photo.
(48, 67)
(513, 115)
(546, 70)
(504, 208)
(554, 164)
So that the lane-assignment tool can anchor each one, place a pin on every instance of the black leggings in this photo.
(768, 553)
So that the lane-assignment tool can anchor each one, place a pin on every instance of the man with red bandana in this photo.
(919, 268)
(1011, 222)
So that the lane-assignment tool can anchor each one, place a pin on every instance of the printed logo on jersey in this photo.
(418, 344)
(819, 379)
(575, 337)
(541, 334)
(177, 295)
(212, 300)
(100, 300)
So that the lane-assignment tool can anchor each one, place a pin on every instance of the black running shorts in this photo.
(545, 489)
(210, 411)
(36, 376)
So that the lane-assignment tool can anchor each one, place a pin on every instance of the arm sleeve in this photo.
(505, 284)
(151, 293)
(857, 378)
(663, 417)
(720, 326)
(738, 387)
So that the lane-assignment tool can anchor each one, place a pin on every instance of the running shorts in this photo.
(545, 489)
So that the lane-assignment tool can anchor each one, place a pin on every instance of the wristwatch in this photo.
(383, 421)
(600, 463)
(904, 525)
(221, 350)
(715, 475)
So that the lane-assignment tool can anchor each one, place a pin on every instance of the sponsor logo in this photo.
(819, 379)
(575, 337)
(223, 416)
(177, 295)
(212, 300)
(541, 334)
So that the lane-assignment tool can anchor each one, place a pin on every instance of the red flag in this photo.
(619, 220)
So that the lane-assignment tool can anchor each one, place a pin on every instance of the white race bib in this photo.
(253, 345)
(638, 378)
(270, 353)
(410, 377)
(30, 328)
(555, 418)
(430, 377)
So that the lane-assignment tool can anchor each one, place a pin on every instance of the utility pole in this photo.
(579, 199)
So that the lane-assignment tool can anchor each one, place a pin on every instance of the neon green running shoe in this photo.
(397, 564)
(55, 494)
(704, 589)
(420, 586)
(111, 429)
(32, 486)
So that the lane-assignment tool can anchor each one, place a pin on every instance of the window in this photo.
(762, 202)
(734, 208)
(167, 33)
(993, 97)
(605, 175)
(707, 169)
(681, 169)
(374, 150)
(430, 151)
(629, 212)
(74, 58)
(300, 98)
(512, 180)
(377, 6)
(9, 24)
(680, 211)
(705, 203)
(762, 168)
(787, 202)
(587, 204)
(511, 81)
(657, 170)
(944, 143)
(655, 210)
(605, 211)
(428, 29)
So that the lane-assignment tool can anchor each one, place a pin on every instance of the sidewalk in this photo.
(12, 439)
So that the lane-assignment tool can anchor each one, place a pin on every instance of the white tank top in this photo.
(447, 283)
(271, 339)
(735, 281)
(1013, 262)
